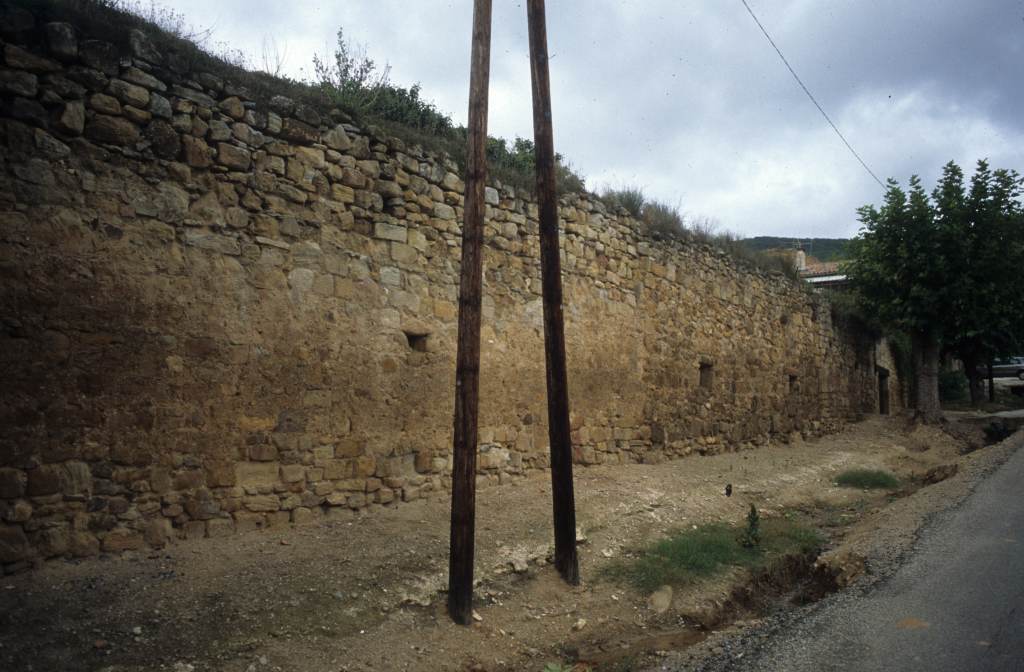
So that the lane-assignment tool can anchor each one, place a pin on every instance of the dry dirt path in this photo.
(363, 594)
(955, 605)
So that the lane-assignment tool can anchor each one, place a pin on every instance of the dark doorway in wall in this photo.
(883, 391)
(707, 375)
(794, 383)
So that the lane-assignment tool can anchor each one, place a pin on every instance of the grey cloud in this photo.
(688, 100)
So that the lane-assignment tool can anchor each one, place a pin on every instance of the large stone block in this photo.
(256, 474)
(100, 55)
(297, 131)
(44, 480)
(112, 130)
(12, 483)
(13, 544)
(387, 231)
(122, 539)
(18, 82)
(233, 157)
(195, 151)
(128, 93)
(76, 480)
(337, 139)
(60, 38)
(20, 59)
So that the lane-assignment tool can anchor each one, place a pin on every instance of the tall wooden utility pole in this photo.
(467, 370)
(551, 280)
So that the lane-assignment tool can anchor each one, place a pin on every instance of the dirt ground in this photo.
(366, 594)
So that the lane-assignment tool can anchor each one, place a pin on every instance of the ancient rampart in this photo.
(219, 315)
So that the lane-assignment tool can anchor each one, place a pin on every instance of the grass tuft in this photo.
(630, 198)
(690, 555)
(867, 479)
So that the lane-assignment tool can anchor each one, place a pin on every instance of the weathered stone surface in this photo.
(12, 483)
(386, 231)
(18, 58)
(158, 532)
(255, 318)
(76, 480)
(13, 544)
(142, 78)
(337, 139)
(166, 141)
(18, 82)
(256, 474)
(64, 87)
(297, 131)
(233, 157)
(444, 211)
(262, 503)
(192, 95)
(105, 104)
(49, 146)
(195, 152)
(29, 111)
(214, 242)
(202, 505)
(120, 540)
(61, 39)
(18, 511)
(71, 119)
(160, 106)
(232, 107)
(100, 55)
(44, 480)
(113, 130)
(130, 94)
(247, 135)
(142, 47)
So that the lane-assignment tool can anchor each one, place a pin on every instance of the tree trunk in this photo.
(975, 383)
(925, 348)
(991, 383)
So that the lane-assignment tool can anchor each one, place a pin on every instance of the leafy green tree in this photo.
(987, 222)
(945, 270)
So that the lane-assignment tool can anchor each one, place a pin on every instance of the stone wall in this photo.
(219, 315)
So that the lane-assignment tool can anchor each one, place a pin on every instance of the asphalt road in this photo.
(957, 603)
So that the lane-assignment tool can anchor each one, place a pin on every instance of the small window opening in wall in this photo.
(707, 375)
(794, 383)
(417, 342)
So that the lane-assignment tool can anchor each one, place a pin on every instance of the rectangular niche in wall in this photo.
(794, 383)
(417, 341)
(707, 375)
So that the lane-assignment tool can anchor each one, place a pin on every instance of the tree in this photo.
(945, 270)
(988, 224)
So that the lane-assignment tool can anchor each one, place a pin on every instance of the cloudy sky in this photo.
(689, 101)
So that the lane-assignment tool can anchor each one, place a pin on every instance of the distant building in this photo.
(824, 274)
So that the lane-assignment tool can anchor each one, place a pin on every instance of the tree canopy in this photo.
(945, 268)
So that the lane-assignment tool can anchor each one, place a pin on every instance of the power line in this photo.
(809, 95)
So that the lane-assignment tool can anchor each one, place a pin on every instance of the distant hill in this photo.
(823, 249)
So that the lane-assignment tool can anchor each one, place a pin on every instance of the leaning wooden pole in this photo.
(551, 280)
(467, 370)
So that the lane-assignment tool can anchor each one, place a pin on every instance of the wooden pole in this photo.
(551, 279)
(467, 370)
